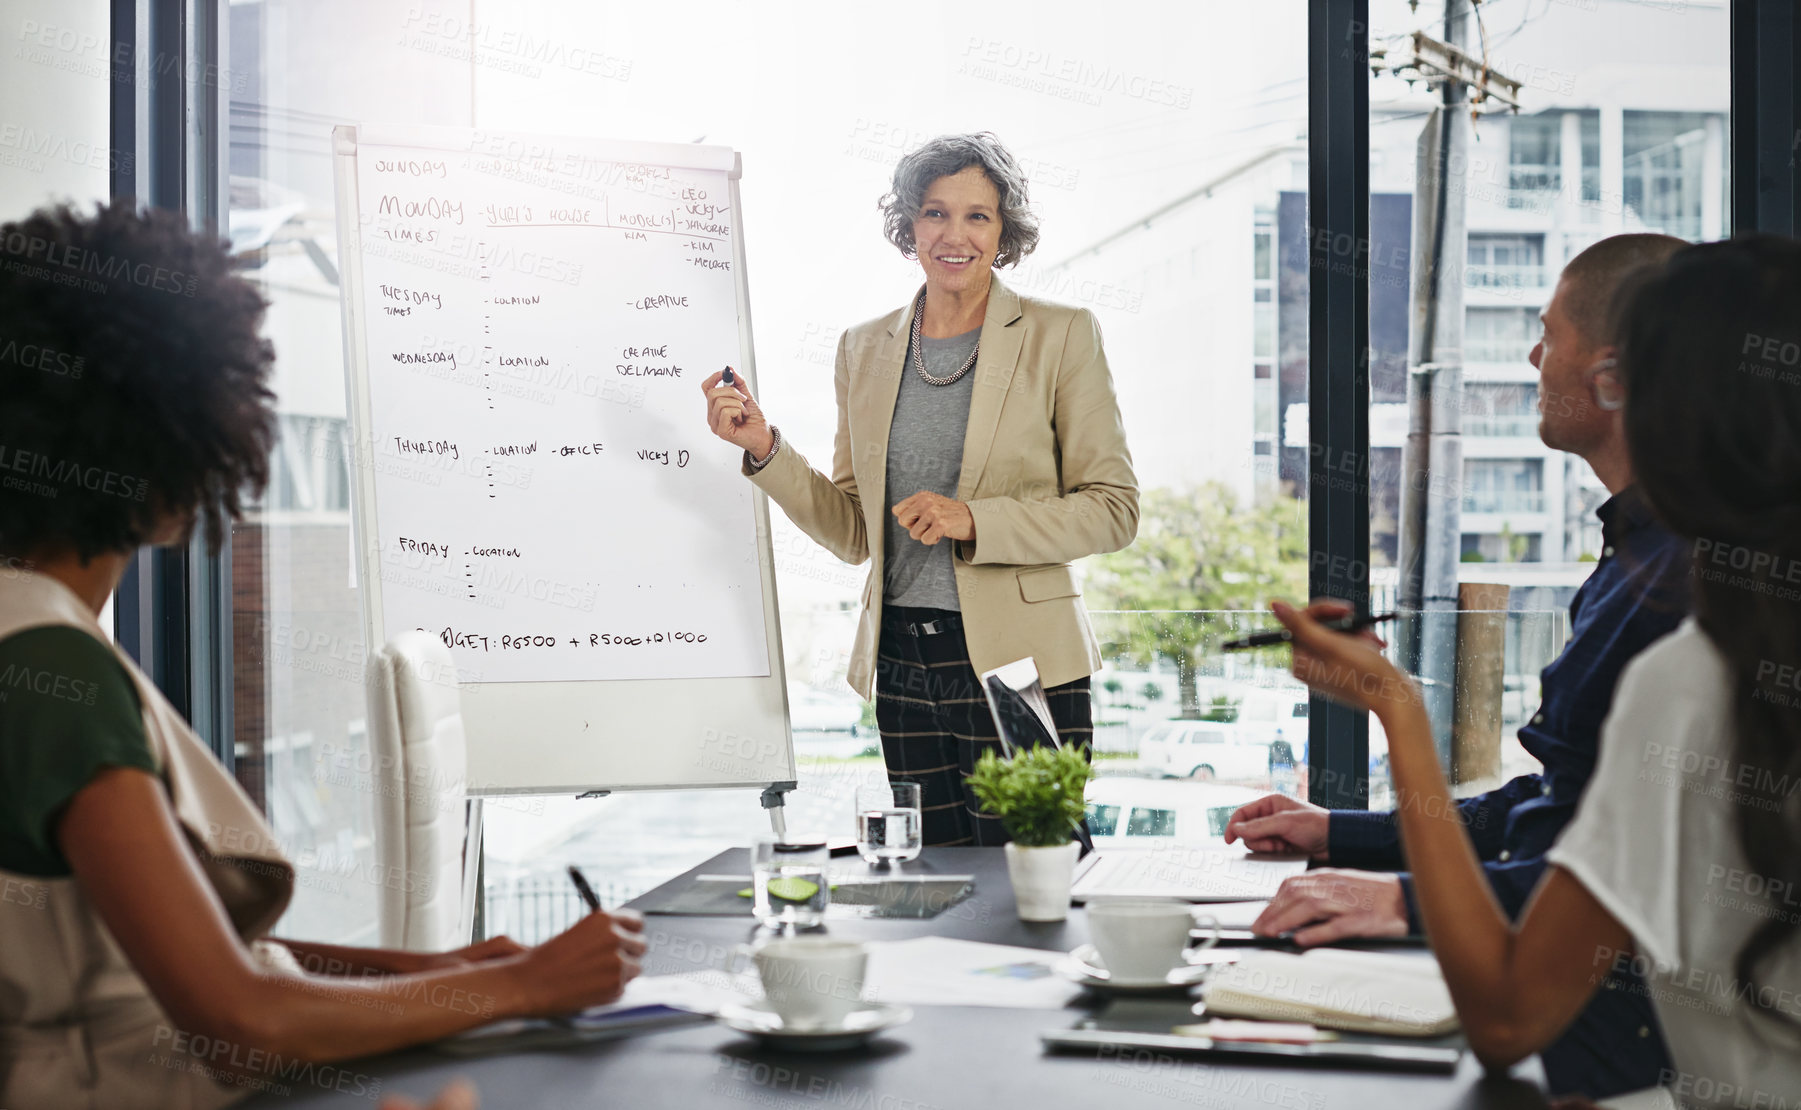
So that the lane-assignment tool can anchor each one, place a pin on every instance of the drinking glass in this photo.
(788, 880)
(888, 823)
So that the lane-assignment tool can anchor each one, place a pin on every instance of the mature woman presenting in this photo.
(979, 452)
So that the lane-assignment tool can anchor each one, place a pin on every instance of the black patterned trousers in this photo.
(935, 722)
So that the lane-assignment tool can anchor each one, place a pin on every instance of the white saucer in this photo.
(759, 1019)
(1083, 965)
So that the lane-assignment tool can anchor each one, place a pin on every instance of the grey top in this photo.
(925, 452)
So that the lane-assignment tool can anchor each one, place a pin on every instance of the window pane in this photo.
(1667, 155)
(298, 644)
(1534, 169)
(1623, 113)
(1152, 822)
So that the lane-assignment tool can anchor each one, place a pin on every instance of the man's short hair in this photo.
(1595, 275)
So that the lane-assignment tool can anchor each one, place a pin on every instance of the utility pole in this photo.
(1432, 460)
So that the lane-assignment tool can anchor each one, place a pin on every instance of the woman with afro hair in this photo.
(138, 884)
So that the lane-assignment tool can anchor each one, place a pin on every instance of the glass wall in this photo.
(1621, 127)
(1173, 202)
(54, 144)
(299, 652)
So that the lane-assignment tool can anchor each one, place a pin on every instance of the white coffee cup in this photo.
(1139, 938)
(812, 982)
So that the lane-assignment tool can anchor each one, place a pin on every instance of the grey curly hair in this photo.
(949, 154)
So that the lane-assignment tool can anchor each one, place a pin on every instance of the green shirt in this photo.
(68, 709)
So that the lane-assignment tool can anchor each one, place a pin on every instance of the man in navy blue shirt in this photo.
(1636, 594)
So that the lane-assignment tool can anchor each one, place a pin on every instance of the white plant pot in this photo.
(1041, 878)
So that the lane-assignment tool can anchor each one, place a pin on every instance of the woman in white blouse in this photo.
(1684, 860)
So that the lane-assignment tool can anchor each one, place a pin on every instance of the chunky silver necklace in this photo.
(919, 358)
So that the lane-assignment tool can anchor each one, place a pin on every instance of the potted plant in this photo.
(1038, 795)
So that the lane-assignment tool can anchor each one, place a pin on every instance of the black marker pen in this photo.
(581, 887)
(728, 376)
(1284, 636)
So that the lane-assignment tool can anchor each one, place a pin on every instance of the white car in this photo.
(1272, 712)
(1128, 812)
(1211, 751)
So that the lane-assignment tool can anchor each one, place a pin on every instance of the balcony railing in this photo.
(1497, 350)
(1522, 424)
(534, 908)
(1504, 501)
(1533, 187)
(1505, 276)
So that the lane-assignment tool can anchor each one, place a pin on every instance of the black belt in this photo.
(922, 628)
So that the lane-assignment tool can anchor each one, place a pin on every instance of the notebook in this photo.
(649, 1003)
(1158, 1029)
(1363, 992)
(1192, 873)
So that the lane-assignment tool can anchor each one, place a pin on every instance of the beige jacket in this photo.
(78, 1027)
(1046, 474)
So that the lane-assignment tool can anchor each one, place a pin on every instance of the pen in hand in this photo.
(1283, 636)
(581, 887)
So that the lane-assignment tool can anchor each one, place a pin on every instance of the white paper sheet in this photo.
(1231, 915)
(679, 991)
(548, 499)
(1197, 873)
(935, 971)
(939, 971)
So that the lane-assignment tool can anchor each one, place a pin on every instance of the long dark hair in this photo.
(1710, 351)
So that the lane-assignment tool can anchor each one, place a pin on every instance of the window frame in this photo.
(172, 611)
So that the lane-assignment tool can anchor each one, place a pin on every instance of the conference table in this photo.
(946, 1058)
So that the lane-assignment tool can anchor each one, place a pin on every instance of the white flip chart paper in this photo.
(548, 500)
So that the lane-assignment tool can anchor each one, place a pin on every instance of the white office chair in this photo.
(427, 832)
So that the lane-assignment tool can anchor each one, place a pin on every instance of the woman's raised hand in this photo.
(1345, 666)
(735, 416)
(586, 965)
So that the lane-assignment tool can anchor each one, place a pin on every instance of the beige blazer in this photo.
(1046, 474)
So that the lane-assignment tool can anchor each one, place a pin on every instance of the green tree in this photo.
(1200, 554)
